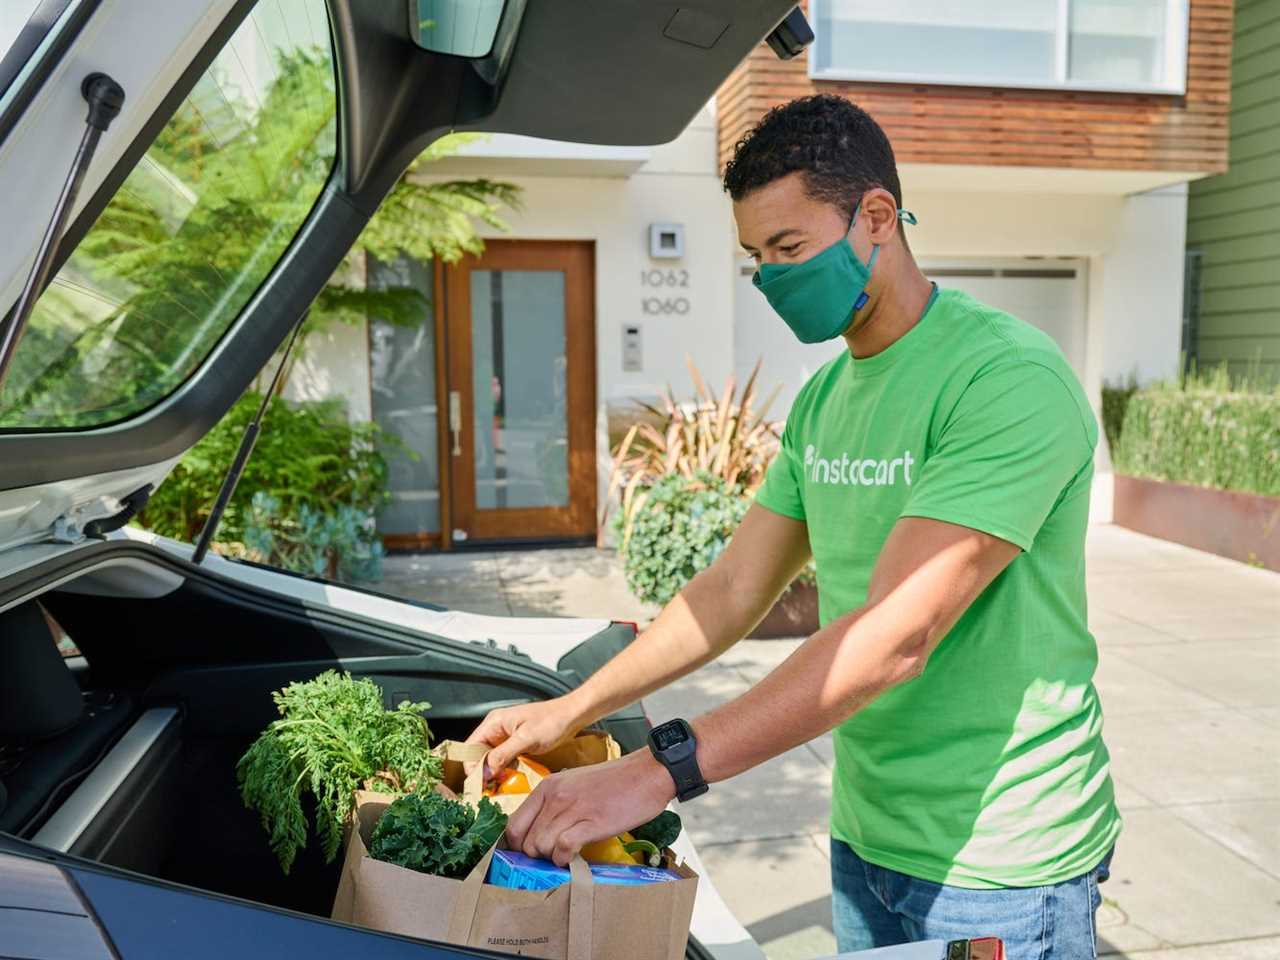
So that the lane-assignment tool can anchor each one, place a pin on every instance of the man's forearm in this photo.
(699, 624)
(927, 575)
(832, 675)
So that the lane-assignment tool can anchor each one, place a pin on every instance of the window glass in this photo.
(519, 349)
(191, 233)
(402, 380)
(1117, 41)
(938, 38)
(1098, 44)
(462, 28)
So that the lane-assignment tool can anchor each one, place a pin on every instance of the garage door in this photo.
(1049, 294)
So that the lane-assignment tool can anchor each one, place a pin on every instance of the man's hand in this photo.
(575, 807)
(529, 728)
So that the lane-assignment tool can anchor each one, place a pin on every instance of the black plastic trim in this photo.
(35, 579)
(24, 48)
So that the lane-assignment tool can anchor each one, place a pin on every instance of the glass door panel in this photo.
(402, 381)
(521, 417)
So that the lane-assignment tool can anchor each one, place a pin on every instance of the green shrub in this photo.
(341, 541)
(1115, 401)
(307, 498)
(678, 529)
(1205, 431)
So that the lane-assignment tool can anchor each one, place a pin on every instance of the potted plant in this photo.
(684, 476)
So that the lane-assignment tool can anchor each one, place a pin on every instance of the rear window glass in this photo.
(191, 233)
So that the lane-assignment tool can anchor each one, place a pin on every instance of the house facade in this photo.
(1045, 146)
(1233, 220)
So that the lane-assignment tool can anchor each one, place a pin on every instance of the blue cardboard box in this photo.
(519, 872)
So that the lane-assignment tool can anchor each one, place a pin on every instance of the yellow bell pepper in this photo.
(610, 850)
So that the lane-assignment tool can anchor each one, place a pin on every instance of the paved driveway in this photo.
(1189, 677)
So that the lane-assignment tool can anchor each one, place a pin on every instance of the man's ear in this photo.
(881, 213)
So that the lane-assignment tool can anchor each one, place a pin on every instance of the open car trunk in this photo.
(176, 683)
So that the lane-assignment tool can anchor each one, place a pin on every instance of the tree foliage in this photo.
(179, 250)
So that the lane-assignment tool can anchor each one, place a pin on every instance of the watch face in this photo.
(669, 735)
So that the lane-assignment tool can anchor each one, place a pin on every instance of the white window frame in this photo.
(1177, 14)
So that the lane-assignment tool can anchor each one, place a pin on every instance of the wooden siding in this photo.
(1234, 220)
(1009, 127)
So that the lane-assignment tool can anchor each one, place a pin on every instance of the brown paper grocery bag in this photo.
(578, 921)
(581, 751)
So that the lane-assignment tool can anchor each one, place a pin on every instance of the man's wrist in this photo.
(653, 777)
(581, 709)
(674, 746)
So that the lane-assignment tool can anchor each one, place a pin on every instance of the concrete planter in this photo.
(1241, 526)
(794, 615)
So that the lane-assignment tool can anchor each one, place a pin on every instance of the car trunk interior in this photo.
(181, 685)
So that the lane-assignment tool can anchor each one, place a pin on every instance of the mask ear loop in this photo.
(906, 216)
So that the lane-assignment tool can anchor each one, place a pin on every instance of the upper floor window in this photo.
(1113, 45)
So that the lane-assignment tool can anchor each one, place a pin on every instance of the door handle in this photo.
(455, 421)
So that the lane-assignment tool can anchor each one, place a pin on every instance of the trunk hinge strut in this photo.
(242, 455)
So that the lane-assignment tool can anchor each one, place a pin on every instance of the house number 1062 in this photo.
(664, 278)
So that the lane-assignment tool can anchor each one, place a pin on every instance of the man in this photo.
(939, 472)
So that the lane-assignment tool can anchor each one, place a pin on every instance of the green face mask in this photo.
(818, 298)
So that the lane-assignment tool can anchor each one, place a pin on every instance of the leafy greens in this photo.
(332, 736)
(661, 831)
(432, 834)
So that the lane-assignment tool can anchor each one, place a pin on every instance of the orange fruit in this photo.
(533, 765)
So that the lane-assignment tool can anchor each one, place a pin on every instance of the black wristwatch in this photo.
(675, 747)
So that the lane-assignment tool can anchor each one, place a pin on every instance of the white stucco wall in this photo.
(335, 363)
(1134, 322)
(1138, 285)
(677, 185)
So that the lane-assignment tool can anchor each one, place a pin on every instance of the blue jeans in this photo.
(876, 907)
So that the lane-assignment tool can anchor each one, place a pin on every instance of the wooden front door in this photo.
(520, 331)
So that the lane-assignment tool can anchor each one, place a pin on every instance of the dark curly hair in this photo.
(840, 150)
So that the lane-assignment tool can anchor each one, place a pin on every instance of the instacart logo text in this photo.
(867, 472)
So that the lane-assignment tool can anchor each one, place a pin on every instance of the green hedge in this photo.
(1115, 402)
(1203, 431)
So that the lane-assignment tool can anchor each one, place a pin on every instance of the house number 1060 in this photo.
(654, 306)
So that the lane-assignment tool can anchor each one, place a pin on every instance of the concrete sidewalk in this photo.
(1189, 677)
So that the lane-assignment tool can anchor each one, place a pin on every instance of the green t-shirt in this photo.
(988, 770)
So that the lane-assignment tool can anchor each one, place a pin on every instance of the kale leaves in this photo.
(432, 834)
(332, 736)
